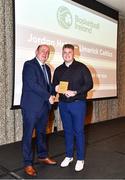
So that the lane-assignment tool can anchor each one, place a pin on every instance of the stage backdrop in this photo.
(56, 22)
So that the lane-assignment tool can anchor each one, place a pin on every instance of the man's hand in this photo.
(57, 88)
(70, 93)
(52, 99)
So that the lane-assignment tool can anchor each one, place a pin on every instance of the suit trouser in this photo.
(73, 117)
(37, 120)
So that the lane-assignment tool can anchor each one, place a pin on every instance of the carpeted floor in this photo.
(105, 155)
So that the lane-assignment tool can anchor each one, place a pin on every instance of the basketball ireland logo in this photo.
(64, 17)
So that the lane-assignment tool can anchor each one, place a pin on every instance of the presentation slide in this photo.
(56, 22)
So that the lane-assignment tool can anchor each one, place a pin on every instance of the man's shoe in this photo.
(47, 161)
(79, 165)
(29, 170)
(66, 161)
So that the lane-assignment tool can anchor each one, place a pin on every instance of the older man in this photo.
(36, 101)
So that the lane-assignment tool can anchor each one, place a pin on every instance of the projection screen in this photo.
(55, 22)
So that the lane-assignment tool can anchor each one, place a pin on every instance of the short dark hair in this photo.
(70, 46)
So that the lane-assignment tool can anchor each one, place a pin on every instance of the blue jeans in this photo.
(73, 118)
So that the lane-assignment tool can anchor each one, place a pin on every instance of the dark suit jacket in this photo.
(34, 91)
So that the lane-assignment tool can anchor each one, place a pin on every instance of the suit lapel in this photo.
(37, 64)
(42, 75)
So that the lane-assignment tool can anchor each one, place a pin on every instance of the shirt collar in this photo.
(69, 64)
(40, 63)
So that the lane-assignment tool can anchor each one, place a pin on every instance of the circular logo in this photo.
(64, 17)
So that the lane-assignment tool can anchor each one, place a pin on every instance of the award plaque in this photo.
(63, 87)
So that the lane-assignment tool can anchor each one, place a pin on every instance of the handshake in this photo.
(52, 99)
(63, 89)
(67, 93)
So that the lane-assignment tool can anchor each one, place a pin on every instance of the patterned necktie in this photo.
(45, 73)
